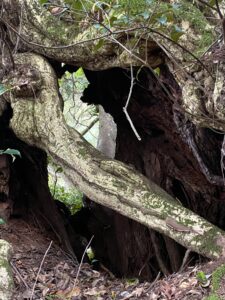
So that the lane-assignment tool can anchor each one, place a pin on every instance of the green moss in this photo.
(212, 297)
(4, 264)
(119, 184)
(217, 277)
(82, 152)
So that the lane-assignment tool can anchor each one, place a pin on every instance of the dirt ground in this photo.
(42, 270)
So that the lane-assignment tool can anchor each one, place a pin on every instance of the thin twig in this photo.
(89, 126)
(20, 29)
(153, 283)
(127, 103)
(207, 4)
(218, 10)
(81, 262)
(43, 259)
(19, 275)
(186, 256)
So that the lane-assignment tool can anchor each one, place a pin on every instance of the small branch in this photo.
(43, 259)
(82, 259)
(186, 256)
(207, 4)
(19, 275)
(89, 126)
(219, 10)
(127, 103)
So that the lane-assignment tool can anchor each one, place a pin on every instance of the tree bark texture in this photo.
(39, 121)
(182, 159)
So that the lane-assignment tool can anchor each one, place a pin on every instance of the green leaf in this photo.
(3, 89)
(145, 15)
(79, 73)
(157, 71)
(112, 20)
(2, 221)
(162, 20)
(99, 44)
(43, 1)
(12, 152)
(59, 170)
(201, 277)
(176, 35)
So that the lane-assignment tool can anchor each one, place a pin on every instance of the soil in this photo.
(42, 270)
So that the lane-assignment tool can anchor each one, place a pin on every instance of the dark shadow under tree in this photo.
(163, 155)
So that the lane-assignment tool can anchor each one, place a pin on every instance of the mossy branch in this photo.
(111, 183)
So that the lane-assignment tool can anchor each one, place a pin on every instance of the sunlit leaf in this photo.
(79, 73)
(157, 71)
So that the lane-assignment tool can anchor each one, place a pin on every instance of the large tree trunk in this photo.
(173, 153)
(39, 121)
(164, 157)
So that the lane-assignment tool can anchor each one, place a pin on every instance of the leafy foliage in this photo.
(201, 277)
(72, 198)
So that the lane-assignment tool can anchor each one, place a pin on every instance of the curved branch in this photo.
(40, 122)
(48, 35)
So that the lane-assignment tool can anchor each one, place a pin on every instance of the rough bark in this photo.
(181, 158)
(6, 279)
(38, 121)
(164, 157)
(38, 27)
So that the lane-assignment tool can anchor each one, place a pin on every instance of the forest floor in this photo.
(42, 270)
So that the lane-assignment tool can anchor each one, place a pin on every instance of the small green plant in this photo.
(212, 297)
(201, 277)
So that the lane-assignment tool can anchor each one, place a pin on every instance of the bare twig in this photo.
(82, 259)
(127, 103)
(207, 4)
(153, 283)
(20, 29)
(43, 259)
(186, 256)
(219, 10)
(19, 275)
(89, 126)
